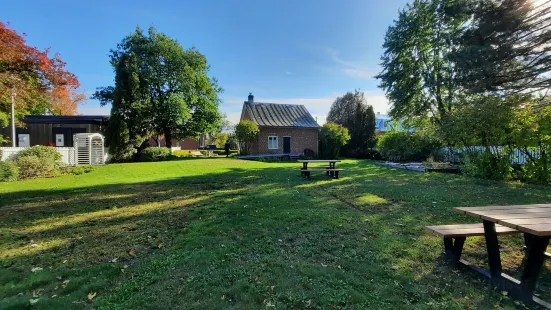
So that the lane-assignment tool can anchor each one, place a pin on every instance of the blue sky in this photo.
(288, 51)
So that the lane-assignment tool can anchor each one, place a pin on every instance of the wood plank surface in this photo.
(528, 221)
(507, 216)
(487, 208)
(509, 211)
(466, 230)
(538, 230)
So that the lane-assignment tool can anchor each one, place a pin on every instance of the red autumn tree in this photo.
(41, 83)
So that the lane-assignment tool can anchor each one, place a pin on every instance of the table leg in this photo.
(305, 166)
(534, 262)
(492, 246)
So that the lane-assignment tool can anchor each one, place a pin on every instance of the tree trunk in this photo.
(139, 150)
(168, 137)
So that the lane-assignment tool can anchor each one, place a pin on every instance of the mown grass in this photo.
(225, 233)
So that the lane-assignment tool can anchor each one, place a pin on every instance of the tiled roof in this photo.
(280, 115)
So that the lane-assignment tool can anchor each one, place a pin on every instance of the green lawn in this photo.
(225, 233)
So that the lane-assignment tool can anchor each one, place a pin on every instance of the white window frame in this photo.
(276, 141)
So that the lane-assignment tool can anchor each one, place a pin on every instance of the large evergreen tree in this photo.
(352, 112)
(160, 89)
(506, 48)
(418, 74)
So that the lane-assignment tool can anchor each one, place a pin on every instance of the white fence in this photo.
(517, 156)
(67, 154)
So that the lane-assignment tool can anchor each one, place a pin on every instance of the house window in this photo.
(272, 143)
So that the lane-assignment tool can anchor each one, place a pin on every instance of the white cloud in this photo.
(318, 107)
(352, 69)
(359, 73)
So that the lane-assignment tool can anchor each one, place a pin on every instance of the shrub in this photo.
(408, 146)
(487, 165)
(32, 166)
(8, 171)
(223, 153)
(155, 154)
(373, 154)
(78, 170)
(182, 153)
(46, 152)
(309, 154)
(246, 132)
(332, 138)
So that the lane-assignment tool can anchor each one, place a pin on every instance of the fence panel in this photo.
(517, 156)
(67, 153)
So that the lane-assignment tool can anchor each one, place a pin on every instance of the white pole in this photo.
(13, 118)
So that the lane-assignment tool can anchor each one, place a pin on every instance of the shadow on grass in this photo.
(246, 238)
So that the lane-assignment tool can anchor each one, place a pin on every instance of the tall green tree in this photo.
(170, 90)
(505, 50)
(352, 112)
(418, 75)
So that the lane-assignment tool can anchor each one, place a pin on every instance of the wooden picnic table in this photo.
(331, 162)
(535, 222)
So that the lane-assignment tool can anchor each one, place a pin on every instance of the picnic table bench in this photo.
(532, 220)
(330, 170)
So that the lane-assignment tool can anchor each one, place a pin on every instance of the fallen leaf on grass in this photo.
(132, 252)
(64, 285)
(35, 269)
(91, 295)
(33, 301)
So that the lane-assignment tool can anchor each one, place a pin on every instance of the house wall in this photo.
(186, 144)
(301, 138)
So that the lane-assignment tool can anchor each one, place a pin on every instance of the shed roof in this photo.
(57, 119)
(279, 115)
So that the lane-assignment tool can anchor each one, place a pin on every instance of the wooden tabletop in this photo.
(318, 161)
(533, 219)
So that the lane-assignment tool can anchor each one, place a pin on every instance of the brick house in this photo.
(284, 128)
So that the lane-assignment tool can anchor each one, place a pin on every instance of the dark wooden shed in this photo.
(58, 130)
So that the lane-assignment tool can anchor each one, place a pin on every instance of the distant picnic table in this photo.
(532, 220)
(330, 170)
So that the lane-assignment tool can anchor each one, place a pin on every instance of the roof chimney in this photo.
(251, 98)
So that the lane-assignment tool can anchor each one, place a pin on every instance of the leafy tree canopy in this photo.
(246, 133)
(352, 112)
(332, 137)
(160, 89)
(41, 83)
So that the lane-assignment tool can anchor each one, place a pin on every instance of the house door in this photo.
(286, 145)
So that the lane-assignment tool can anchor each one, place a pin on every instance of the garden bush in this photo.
(487, 165)
(78, 170)
(407, 146)
(40, 151)
(32, 166)
(182, 153)
(155, 154)
(223, 153)
(309, 154)
(332, 138)
(37, 161)
(8, 171)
